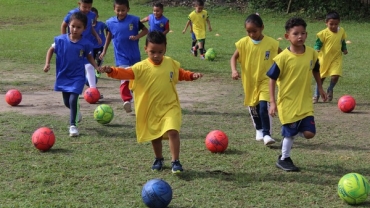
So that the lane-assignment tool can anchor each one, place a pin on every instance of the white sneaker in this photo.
(259, 135)
(73, 131)
(127, 106)
(79, 117)
(267, 140)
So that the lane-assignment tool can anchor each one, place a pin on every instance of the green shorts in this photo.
(201, 40)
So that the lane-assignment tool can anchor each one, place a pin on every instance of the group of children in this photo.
(84, 41)
(264, 66)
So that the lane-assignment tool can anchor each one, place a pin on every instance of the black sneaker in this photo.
(158, 164)
(286, 164)
(176, 167)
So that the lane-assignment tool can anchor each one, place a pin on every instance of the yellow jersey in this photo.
(199, 21)
(256, 60)
(157, 104)
(294, 84)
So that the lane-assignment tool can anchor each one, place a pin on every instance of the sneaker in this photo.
(79, 117)
(202, 57)
(330, 95)
(127, 106)
(97, 73)
(176, 167)
(158, 164)
(194, 51)
(101, 97)
(267, 140)
(259, 135)
(286, 164)
(73, 131)
(315, 99)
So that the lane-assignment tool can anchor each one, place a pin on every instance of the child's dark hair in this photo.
(86, 1)
(156, 37)
(159, 5)
(121, 2)
(198, 3)
(332, 15)
(255, 19)
(79, 16)
(93, 9)
(293, 22)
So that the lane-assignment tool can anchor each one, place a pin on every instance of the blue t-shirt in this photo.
(70, 64)
(100, 28)
(126, 51)
(157, 24)
(90, 19)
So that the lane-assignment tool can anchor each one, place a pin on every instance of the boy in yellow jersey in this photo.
(197, 21)
(330, 44)
(158, 112)
(291, 72)
(255, 54)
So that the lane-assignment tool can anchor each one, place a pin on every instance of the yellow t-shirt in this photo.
(157, 104)
(294, 84)
(330, 55)
(199, 21)
(256, 60)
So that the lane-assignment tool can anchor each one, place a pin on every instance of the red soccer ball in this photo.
(346, 103)
(13, 97)
(92, 95)
(43, 138)
(216, 141)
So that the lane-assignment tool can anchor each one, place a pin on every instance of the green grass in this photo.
(106, 167)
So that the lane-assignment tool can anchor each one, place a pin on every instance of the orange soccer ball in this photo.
(13, 97)
(43, 138)
(216, 141)
(92, 95)
(346, 103)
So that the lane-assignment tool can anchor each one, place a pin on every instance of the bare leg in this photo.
(157, 147)
(174, 139)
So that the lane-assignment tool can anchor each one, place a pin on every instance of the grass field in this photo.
(106, 167)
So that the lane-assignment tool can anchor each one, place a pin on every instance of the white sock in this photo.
(90, 75)
(286, 147)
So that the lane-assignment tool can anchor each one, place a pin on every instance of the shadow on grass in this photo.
(58, 151)
(202, 113)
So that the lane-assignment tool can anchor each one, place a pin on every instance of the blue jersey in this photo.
(100, 28)
(126, 51)
(160, 24)
(90, 19)
(70, 67)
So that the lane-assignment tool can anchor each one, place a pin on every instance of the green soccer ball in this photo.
(103, 114)
(353, 188)
(210, 54)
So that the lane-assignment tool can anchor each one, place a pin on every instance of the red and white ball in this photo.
(43, 138)
(92, 95)
(216, 141)
(13, 97)
(346, 103)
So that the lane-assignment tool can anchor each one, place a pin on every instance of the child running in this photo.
(157, 21)
(330, 44)
(255, 54)
(292, 72)
(71, 51)
(158, 111)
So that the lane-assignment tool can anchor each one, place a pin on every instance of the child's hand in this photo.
(323, 95)
(235, 75)
(197, 76)
(273, 109)
(133, 37)
(345, 52)
(101, 57)
(106, 69)
(183, 32)
(46, 67)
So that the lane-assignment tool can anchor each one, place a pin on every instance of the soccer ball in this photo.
(92, 95)
(346, 103)
(13, 97)
(43, 138)
(103, 114)
(216, 141)
(353, 188)
(156, 193)
(210, 54)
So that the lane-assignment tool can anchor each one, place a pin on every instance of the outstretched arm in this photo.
(185, 75)
(117, 72)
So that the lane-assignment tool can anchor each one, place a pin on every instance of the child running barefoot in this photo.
(158, 114)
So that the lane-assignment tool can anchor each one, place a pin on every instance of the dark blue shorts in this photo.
(292, 129)
(193, 36)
